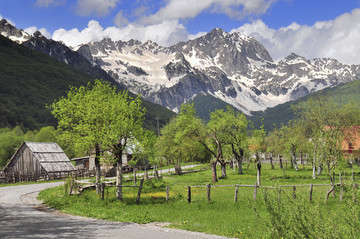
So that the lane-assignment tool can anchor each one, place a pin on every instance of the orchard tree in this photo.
(294, 141)
(326, 124)
(188, 126)
(258, 146)
(98, 117)
(236, 134)
(82, 115)
(124, 120)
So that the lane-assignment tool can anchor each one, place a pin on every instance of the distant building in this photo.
(351, 142)
(38, 158)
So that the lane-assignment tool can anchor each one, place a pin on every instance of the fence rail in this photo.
(256, 186)
(15, 177)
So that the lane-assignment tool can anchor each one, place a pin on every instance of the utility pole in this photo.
(158, 124)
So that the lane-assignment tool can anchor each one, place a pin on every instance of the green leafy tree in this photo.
(82, 115)
(236, 134)
(10, 140)
(46, 134)
(124, 126)
(97, 116)
(326, 124)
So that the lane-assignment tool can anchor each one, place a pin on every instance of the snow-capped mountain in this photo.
(11, 32)
(230, 66)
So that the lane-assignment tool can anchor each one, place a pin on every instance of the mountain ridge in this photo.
(231, 67)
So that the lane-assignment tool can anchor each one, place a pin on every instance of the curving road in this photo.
(19, 218)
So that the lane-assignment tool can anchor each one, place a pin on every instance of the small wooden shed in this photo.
(38, 158)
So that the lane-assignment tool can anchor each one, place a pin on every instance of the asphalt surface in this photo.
(22, 216)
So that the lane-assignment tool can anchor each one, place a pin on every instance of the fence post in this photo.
(294, 192)
(333, 182)
(208, 186)
(236, 194)
(279, 194)
(167, 193)
(255, 191)
(135, 179)
(102, 190)
(311, 191)
(189, 194)
(354, 192)
(139, 192)
(341, 188)
(71, 186)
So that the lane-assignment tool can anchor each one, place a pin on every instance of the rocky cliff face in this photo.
(231, 67)
(11, 32)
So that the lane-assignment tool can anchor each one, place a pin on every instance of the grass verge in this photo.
(222, 216)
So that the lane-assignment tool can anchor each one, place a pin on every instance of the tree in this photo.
(236, 134)
(294, 141)
(10, 140)
(258, 147)
(275, 145)
(97, 117)
(326, 124)
(124, 120)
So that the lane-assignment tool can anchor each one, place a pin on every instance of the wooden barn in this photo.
(38, 158)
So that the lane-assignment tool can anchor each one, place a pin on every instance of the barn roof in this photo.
(51, 157)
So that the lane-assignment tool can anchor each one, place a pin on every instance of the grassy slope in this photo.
(29, 80)
(221, 216)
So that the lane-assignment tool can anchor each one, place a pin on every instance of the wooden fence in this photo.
(279, 187)
(15, 177)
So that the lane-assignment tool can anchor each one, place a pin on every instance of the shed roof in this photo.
(50, 156)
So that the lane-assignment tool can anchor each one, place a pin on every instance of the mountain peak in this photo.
(294, 56)
(218, 32)
(3, 21)
(38, 34)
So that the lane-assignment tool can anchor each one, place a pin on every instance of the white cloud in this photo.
(120, 20)
(98, 7)
(338, 38)
(48, 3)
(184, 9)
(166, 33)
(31, 30)
(197, 35)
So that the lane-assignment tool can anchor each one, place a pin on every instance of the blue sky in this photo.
(311, 28)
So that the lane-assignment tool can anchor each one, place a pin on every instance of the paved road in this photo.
(20, 220)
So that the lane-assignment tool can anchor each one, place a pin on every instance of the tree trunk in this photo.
(97, 169)
(239, 158)
(258, 171)
(320, 168)
(239, 161)
(314, 171)
(294, 163)
(119, 177)
(213, 170)
(271, 161)
(223, 169)
(280, 160)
